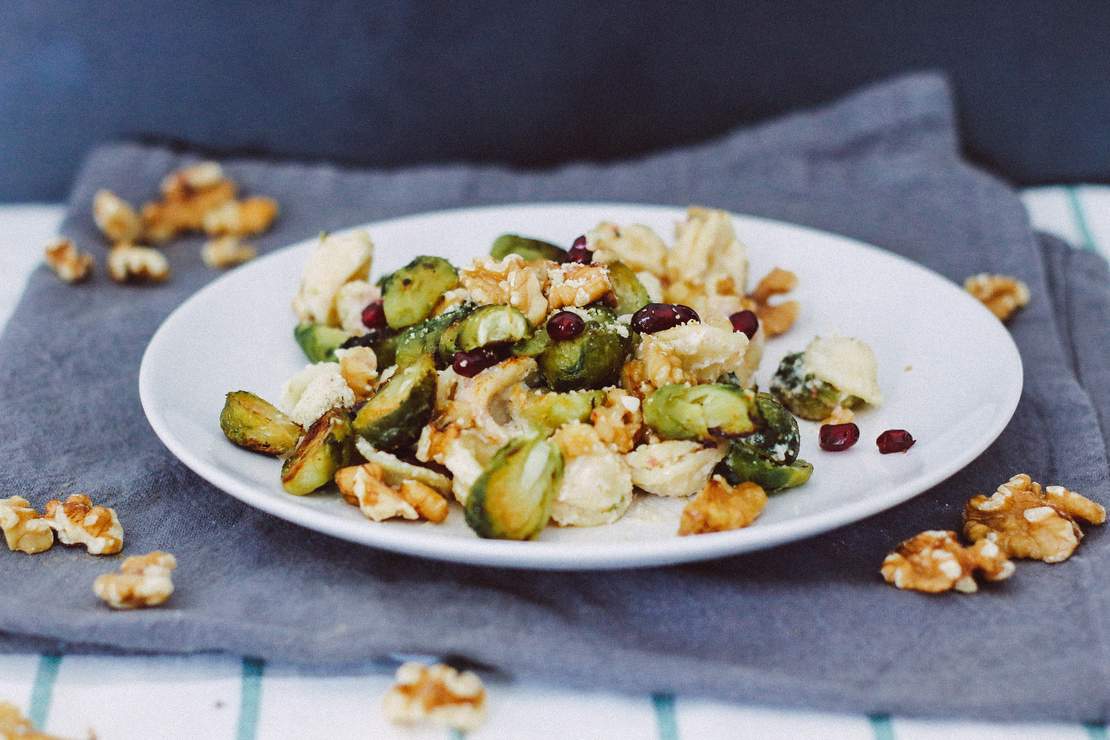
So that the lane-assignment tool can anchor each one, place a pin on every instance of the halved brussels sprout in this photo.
(744, 463)
(324, 449)
(630, 293)
(533, 345)
(805, 394)
(256, 425)
(396, 471)
(382, 341)
(593, 359)
(319, 342)
(493, 325)
(394, 416)
(699, 412)
(529, 249)
(511, 500)
(410, 294)
(776, 430)
(424, 338)
(546, 412)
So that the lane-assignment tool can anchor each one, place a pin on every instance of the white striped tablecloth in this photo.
(225, 697)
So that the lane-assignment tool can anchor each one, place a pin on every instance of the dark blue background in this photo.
(391, 83)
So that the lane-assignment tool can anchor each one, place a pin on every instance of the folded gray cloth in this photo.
(809, 624)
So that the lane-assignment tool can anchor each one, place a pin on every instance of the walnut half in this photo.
(129, 263)
(14, 726)
(1002, 294)
(142, 581)
(775, 318)
(68, 262)
(438, 694)
(24, 528)
(934, 561)
(364, 486)
(720, 507)
(78, 522)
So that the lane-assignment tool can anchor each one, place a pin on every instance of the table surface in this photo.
(225, 697)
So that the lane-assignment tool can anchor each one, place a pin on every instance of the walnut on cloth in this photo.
(115, 218)
(68, 262)
(25, 530)
(720, 507)
(934, 561)
(364, 486)
(775, 318)
(1028, 521)
(1002, 294)
(187, 196)
(142, 581)
(226, 251)
(241, 217)
(437, 694)
(78, 522)
(14, 726)
(130, 263)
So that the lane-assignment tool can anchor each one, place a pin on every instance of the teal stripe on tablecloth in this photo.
(666, 723)
(1096, 731)
(881, 727)
(42, 691)
(457, 735)
(250, 698)
(1080, 219)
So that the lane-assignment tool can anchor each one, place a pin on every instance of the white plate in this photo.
(928, 334)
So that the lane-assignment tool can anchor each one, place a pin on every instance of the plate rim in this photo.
(540, 555)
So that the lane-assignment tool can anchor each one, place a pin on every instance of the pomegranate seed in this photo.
(579, 252)
(469, 364)
(659, 316)
(894, 440)
(373, 316)
(565, 325)
(746, 322)
(838, 437)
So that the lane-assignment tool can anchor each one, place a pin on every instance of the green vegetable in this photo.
(744, 463)
(396, 471)
(699, 412)
(776, 434)
(256, 425)
(529, 249)
(448, 344)
(382, 341)
(546, 412)
(319, 342)
(493, 325)
(630, 293)
(593, 359)
(324, 449)
(534, 345)
(394, 416)
(511, 500)
(424, 338)
(803, 393)
(410, 294)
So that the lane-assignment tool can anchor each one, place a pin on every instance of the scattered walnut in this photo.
(1003, 295)
(526, 293)
(513, 281)
(438, 694)
(241, 217)
(775, 318)
(78, 522)
(576, 439)
(1028, 522)
(189, 194)
(24, 528)
(934, 561)
(184, 182)
(142, 580)
(577, 285)
(130, 263)
(618, 420)
(115, 217)
(364, 486)
(14, 726)
(67, 261)
(839, 415)
(226, 251)
(720, 507)
(359, 367)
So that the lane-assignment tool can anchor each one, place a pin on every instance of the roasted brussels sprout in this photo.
(256, 425)
(382, 341)
(593, 359)
(776, 430)
(511, 500)
(493, 325)
(699, 412)
(394, 416)
(324, 449)
(319, 342)
(424, 338)
(410, 294)
(533, 345)
(529, 249)
(630, 293)
(546, 412)
(804, 393)
(745, 463)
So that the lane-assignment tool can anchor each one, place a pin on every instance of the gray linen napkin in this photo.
(810, 624)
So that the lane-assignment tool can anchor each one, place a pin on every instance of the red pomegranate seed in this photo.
(579, 252)
(373, 316)
(659, 316)
(469, 364)
(838, 437)
(565, 325)
(746, 322)
(894, 440)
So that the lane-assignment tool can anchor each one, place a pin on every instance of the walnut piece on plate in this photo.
(775, 318)
(618, 420)
(142, 581)
(1002, 294)
(1028, 521)
(68, 262)
(934, 561)
(25, 530)
(364, 486)
(720, 507)
(437, 694)
(78, 522)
